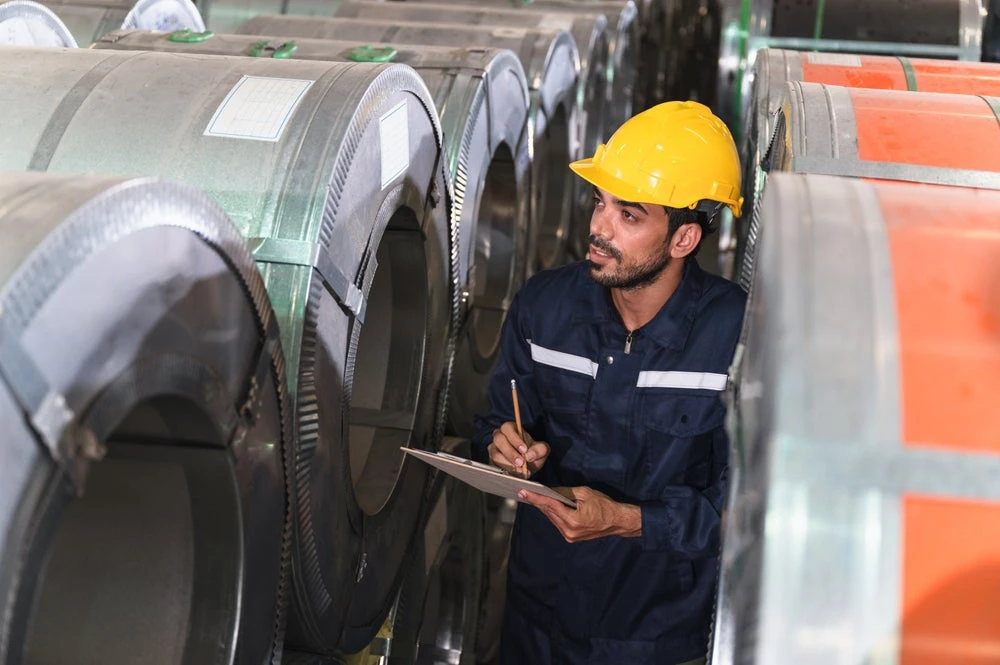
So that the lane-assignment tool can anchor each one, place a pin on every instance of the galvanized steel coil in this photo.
(441, 600)
(89, 20)
(334, 174)
(932, 138)
(655, 18)
(589, 31)
(929, 28)
(483, 96)
(27, 23)
(871, 335)
(550, 61)
(624, 32)
(147, 436)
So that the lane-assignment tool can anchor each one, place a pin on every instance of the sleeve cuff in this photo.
(655, 528)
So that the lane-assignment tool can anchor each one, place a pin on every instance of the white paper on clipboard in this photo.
(486, 478)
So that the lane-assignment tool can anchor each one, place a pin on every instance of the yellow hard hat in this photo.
(674, 154)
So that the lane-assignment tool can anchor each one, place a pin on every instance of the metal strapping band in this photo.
(931, 175)
(66, 111)
(908, 72)
(301, 253)
(895, 469)
(855, 46)
(47, 409)
(994, 104)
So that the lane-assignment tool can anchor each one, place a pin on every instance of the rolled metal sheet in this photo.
(654, 18)
(931, 28)
(441, 600)
(89, 20)
(483, 98)
(624, 30)
(27, 23)
(225, 16)
(590, 33)
(146, 456)
(334, 174)
(933, 138)
(550, 61)
(774, 68)
(855, 486)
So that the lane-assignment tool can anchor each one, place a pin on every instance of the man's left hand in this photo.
(596, 514)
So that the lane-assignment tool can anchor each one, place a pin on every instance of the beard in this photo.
(628, 276)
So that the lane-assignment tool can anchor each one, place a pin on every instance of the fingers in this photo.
(518, 447)
(562, 518)
(536, 455)
(509, 430)
(504, 453)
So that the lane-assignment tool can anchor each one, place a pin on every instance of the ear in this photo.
(685, 240)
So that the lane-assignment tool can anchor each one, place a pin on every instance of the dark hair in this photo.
(678, 217)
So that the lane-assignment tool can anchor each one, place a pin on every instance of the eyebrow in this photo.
(624, 204)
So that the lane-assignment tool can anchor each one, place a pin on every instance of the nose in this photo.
(600, 224)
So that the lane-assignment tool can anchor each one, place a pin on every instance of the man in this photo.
(620, 362)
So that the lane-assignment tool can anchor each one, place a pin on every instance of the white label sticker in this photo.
(834, 59)
(394, 138)
(556, 22)
(17, 31)
(257, 108)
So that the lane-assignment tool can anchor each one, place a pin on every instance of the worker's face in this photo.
(630, 243)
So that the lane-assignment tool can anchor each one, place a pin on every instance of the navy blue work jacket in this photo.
(644, 427)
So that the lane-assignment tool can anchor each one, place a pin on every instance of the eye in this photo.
(627, 216)
(597, 202)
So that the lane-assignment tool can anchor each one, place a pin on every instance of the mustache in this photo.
(605, 246)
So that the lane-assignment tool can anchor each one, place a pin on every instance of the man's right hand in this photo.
(510, 452)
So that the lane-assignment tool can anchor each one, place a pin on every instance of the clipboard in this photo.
(486, 478)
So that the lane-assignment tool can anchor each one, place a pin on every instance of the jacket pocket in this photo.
(677, 444)
(562, 391)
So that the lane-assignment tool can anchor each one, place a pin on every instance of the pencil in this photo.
(517, 418)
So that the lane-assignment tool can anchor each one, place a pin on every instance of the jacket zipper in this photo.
(628, 342)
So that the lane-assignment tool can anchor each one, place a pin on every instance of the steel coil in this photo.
(930, 28)
(27, 23)
(483, 96)
(774, 68)
(624, 38)
(441, 601)
(885, 134)
(146, 455)
(871, 332)
(89, 20)
(550, 62)
(224, 16)
(334, 174)
(589, 31)
(655, 17)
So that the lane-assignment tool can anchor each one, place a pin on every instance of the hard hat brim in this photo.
(601, 179)
(586, 169)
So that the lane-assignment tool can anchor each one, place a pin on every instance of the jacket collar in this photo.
(671, 325)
